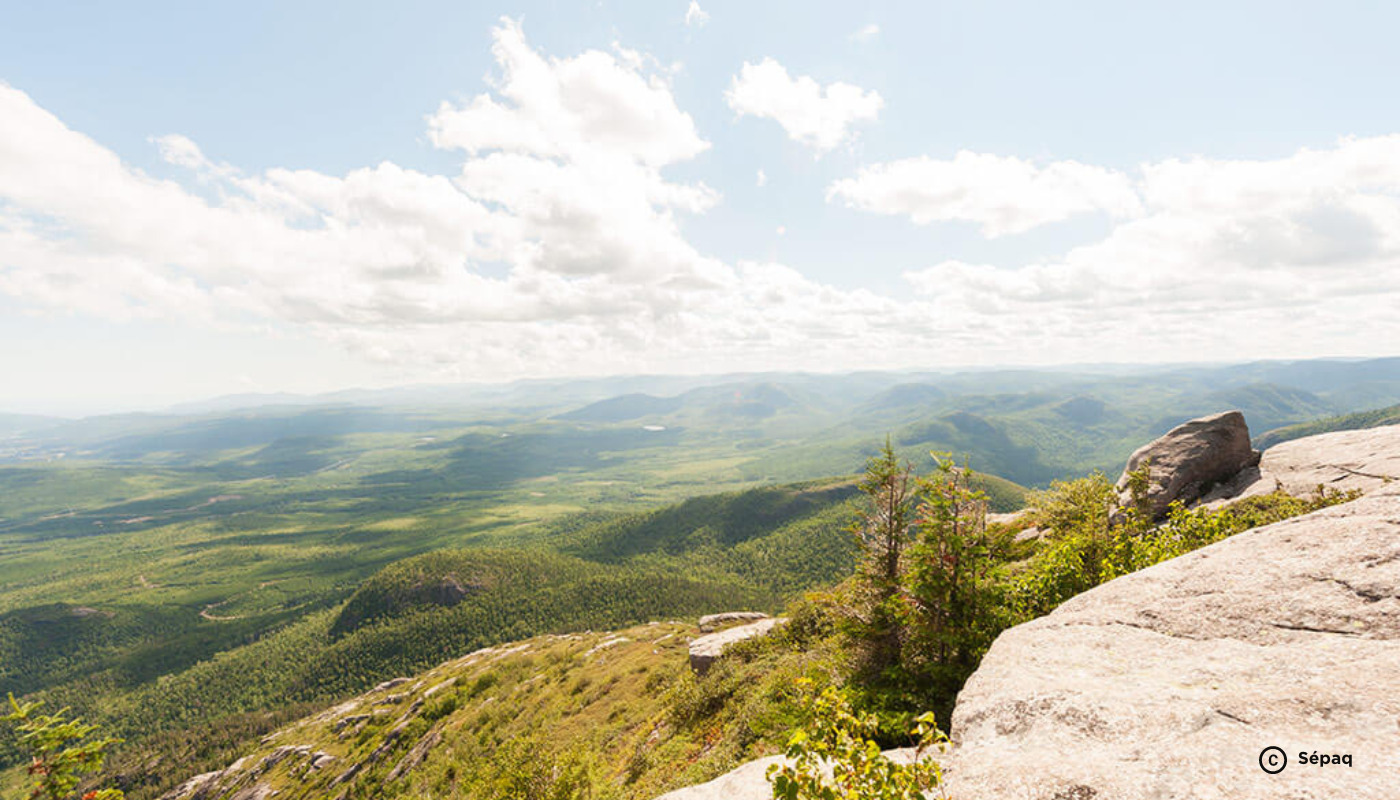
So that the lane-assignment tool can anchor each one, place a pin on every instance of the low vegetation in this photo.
(840, 758)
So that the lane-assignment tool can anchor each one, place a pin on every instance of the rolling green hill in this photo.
(182, 675)
(194, 579)
(624, 407)
(1344, 422)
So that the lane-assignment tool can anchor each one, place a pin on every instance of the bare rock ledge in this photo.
(707, 649)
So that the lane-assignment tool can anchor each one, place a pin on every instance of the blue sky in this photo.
(1130, 188)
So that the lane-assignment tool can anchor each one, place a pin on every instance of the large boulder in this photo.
(1171, 682)
(705, 650)
(1191, 459)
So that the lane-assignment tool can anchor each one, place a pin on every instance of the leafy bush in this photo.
(839, 737)
(1190, 529)
(1088, 544)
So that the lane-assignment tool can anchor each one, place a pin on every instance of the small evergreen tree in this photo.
(58, 754)
(955, 608)
(875, 621)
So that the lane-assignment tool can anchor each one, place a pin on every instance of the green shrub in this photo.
(693, 698)
(1190, 529)
(838, 736)
(1086, 545)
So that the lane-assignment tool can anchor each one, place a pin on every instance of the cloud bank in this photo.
(556, 248)
(1003, 194)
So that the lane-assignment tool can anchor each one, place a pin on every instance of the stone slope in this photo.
(1345, 460)
(1363, 459)
(1168, 683)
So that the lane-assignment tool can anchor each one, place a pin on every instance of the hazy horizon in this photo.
(198, 404)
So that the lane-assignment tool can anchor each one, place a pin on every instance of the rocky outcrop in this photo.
(713, 622)
(1191, 459)
(705, 650)
(1168, 683)
(1359, 460)
(1364, 460)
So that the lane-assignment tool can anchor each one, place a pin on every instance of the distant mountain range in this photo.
(1027, 425)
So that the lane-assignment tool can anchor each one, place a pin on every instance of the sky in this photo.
(199, 199)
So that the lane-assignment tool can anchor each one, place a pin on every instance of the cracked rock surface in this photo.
(1364, 459)
(1168, 683)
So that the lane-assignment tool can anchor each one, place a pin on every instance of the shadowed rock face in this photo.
(1190, 459)
(1168, 683)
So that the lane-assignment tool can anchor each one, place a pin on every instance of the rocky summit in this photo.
(1172, 683)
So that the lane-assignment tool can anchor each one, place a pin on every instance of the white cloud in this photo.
(815, 115)
(866, 33)
(695, 16)
(592, 104)
(762, 179)
(555, 248)
(1286, 258)
(1003, 194)
(561, 182)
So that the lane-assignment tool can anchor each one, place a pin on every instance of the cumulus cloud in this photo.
(561, 182)
(762, 179)
(695, 16)
(1003, 194)
(555, 246)
(817, 116)
(1297, 256)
